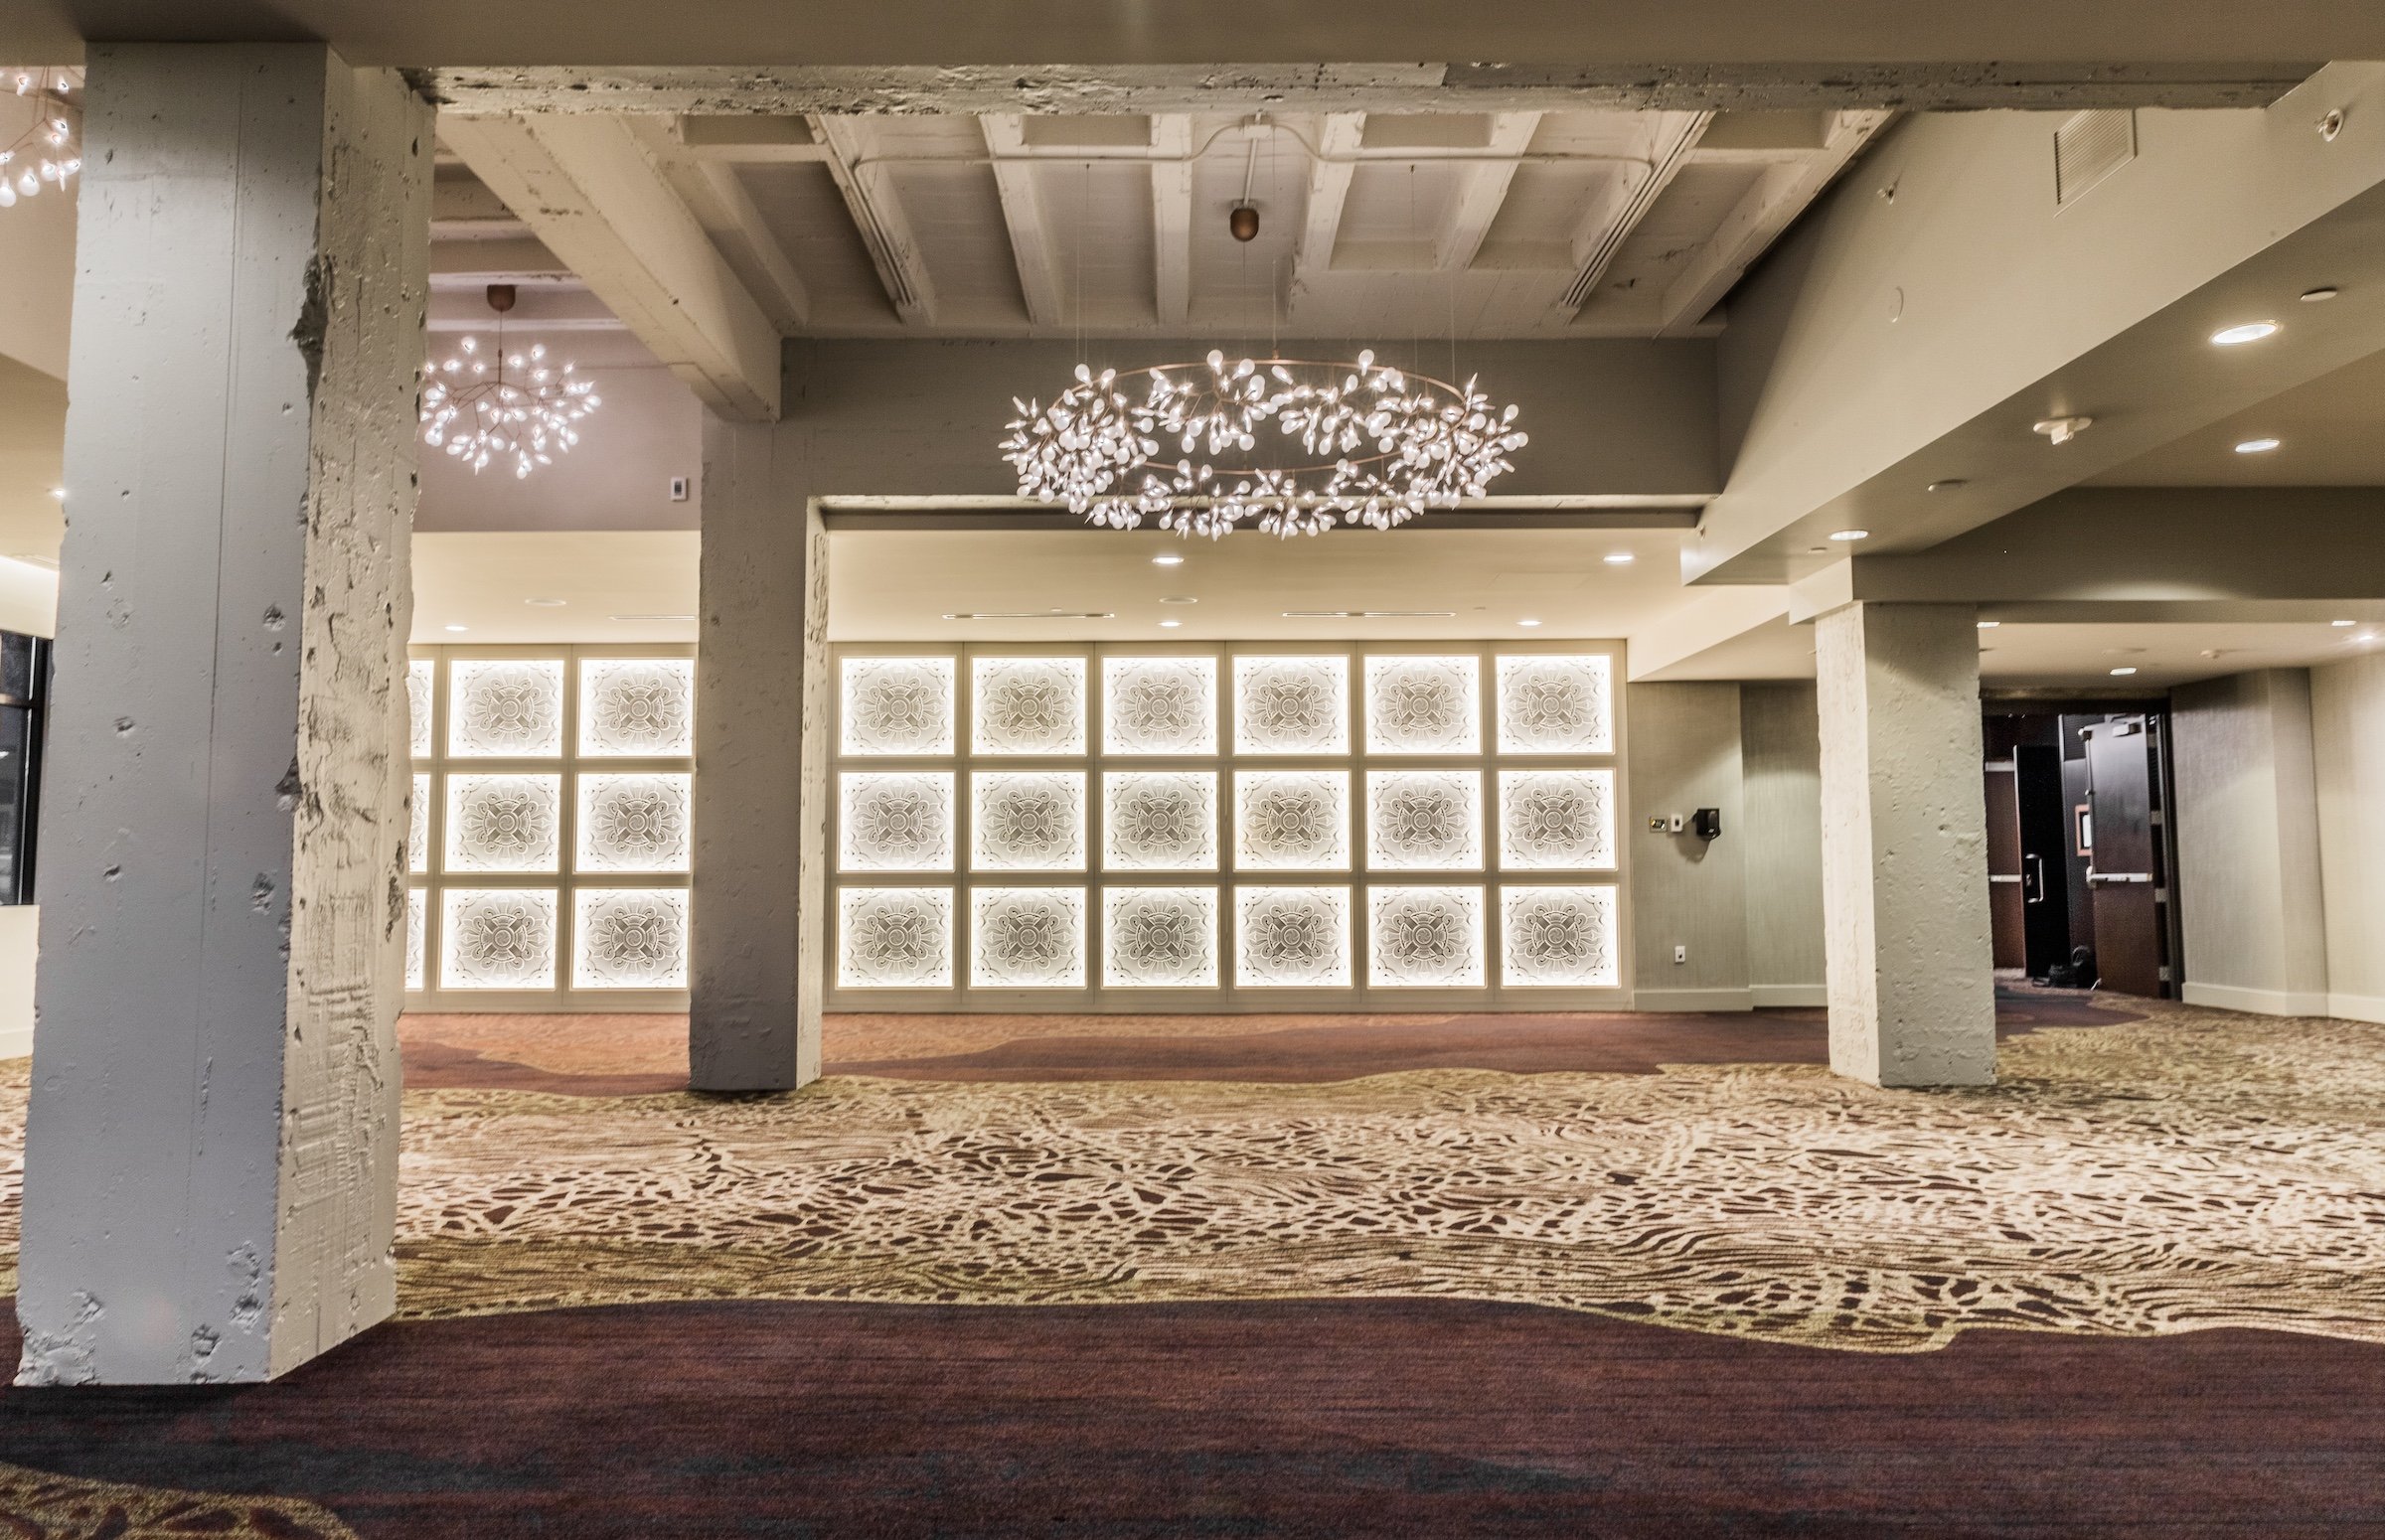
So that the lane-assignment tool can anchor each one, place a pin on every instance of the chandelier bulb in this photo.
(1243, 223)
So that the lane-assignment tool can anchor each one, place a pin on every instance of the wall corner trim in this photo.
(2270, 1003)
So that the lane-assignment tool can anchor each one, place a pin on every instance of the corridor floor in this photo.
(1439, 1275)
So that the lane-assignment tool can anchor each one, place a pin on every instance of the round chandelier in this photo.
(1294, 445)
(478, 413)
(49, 149)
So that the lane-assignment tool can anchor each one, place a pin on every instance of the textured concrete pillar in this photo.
(1904, 846)
(211, 1162)
(762, 707)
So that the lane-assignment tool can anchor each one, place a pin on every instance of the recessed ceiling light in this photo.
(2061, 430)
(459, 628)
(2346, 624)
(2325, 291)
(1990, 624)
(545, 604)
(1167, 558)
(1369, 614)
(2257, 445)
(1027, 615)
(1528, 622)
(653, 617)
(1850, 534)
(1948, 485)
(1179, 601)
(1817, 551)
(2250, 331)
(1620, 558)
(1169, 625)
(2124, 669)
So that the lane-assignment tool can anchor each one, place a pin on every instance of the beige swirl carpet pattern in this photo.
(2194, 1169)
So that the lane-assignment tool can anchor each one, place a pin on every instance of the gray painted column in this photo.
(759, 931)
(1904, 846)
(211, 1162)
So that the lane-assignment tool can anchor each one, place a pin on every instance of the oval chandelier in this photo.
(475, 410)
(1294, 445)
(49, 150)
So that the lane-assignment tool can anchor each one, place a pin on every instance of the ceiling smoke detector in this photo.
(2062, 430)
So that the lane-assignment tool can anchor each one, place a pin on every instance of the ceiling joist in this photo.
(877, 214)
(1023, 214)
(1171, 218)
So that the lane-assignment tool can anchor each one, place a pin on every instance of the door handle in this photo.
(2094, 876)
(2033, 883)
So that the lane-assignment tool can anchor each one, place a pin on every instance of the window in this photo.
(1239, 827)
(24, 690)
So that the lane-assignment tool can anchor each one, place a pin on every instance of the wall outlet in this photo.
(1680, 954)
(679, 489)
(1677, 824)
(1655, 826)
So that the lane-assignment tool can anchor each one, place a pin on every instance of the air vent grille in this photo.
(2090, 147)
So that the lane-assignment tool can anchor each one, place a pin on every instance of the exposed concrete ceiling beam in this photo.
(782, 288)
(748, 138)
(1376, 87)
(1923, 316)
(1482, 189)
(1608, 226)
(494, 261)
(1781, 193)
(591, 195)
(1171, 218)
(1328, 189)
(877, 212)
(1023, 214)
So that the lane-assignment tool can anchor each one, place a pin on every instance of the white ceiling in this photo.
(1483, 224)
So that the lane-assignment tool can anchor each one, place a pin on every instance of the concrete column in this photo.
(1904, 846)
(763, 708)
(211, 1161)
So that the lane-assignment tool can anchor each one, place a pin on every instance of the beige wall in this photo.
(1781, 750)
(2248, 840)
(2347, 711)
(1683, 754)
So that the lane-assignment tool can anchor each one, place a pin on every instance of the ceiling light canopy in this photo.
(2257, 446)
(1294, 445)
(2124, 669)
(1850, 534)
(1620, 558)
(474, 411)
(2237, 336)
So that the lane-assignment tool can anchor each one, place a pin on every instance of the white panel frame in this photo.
(1224, 883)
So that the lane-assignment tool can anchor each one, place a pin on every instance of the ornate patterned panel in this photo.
(1424, 820)
(496, 937)
(1292, 820)
(628, 938)
(1552, 820)
(417, 825)
(1027, 705)
(637, 707)
(633, 823)
(1027, 938)
(1159, 820)
(1423, 705)
(1159, 705)
(1292, 706)
(419, 673)
(895, 821)
(1292, 938)
(898, 705)
(1552, 703)
(1426, 937)
(895, 938)
(503, 823)
(1558, 936)
(416, 919)
(1157, 938)
(1027, 820)
(505, 708)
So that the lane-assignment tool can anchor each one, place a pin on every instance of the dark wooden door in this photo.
(2124, 871)
(2044, 855)
(2008, 909)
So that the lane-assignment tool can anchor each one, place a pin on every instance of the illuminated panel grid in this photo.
(897, 706)
(1556, 704)
(1160, 938)
(1293, 704)
(895, 938)
(1426, 937)
(1159, 820)
(895, 821)
(1027, 938)
(1292, 938)
(1424, 820)
(1419, 705)
(1160, 706)
(1027, 821)
(1027, 705)
(1558, 937)
(1556, 819)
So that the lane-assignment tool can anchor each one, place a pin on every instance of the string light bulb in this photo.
(46, 152)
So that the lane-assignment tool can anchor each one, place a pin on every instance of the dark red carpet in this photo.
(1375, 1418)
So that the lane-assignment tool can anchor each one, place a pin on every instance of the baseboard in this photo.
(2260, 1003)
(1772, 997)
(16, 1042)
(2357, 1007)
(1692, 1000)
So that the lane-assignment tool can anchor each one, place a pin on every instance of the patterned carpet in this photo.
(1328, 1261)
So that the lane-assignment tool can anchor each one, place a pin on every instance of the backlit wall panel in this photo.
(1241, 827)
(550, 836)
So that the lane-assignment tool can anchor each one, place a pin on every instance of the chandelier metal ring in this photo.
(1400, 444)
